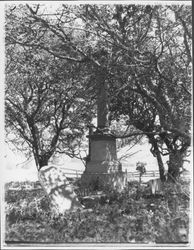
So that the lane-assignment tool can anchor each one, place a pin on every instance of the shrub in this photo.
(129, 216)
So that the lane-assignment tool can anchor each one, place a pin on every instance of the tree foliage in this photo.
(46, 108)
(157, 96)
(142, 53)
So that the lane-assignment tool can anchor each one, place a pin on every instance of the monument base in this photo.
(100, 174)
(102, 167)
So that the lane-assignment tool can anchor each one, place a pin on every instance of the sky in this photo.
(18, 169)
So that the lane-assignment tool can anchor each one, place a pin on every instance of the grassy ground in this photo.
(133, 216)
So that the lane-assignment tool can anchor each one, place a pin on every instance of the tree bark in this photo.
(43, 161)
(176, 156)
(155, 151)
(174, 165)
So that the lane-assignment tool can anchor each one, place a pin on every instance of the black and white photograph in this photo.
(96, 125)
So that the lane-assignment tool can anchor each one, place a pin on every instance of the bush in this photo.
(129, 216)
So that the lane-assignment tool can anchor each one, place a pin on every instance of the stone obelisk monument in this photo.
(102, 161)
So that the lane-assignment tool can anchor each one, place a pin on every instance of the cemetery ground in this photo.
(131, 216)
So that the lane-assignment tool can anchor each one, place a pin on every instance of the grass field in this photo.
(133, 216)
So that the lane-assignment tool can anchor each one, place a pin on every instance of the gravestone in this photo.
(58, 189)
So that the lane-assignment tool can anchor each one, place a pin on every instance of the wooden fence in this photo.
(135, 174)
(76, 174)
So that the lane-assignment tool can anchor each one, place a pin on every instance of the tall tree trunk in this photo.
(176, 157)
(155, 151)
(175, 164)
(161, 166)
(36, 159)
(43, 161)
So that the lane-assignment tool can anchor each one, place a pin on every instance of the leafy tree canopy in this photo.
(144, 52)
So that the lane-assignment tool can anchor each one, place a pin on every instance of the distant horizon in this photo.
(15, 171)
(141, 152)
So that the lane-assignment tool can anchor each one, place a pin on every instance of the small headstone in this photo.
(155, 185)
(58, 189)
